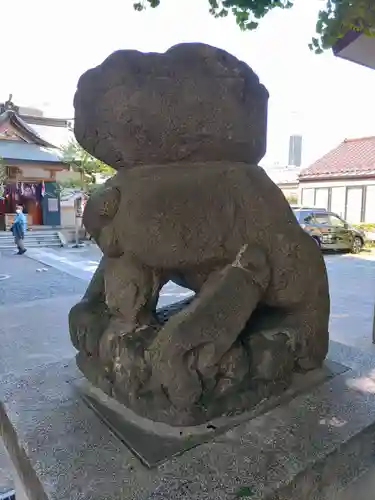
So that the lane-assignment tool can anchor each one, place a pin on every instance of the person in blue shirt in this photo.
(18, 229)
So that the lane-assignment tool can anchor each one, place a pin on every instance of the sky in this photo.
(48, 44)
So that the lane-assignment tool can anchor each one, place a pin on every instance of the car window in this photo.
(322, 219)
(297, 213)
(308, 218)
(336, 221)
(303, 215)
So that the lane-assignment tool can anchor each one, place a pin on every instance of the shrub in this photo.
(366, 226)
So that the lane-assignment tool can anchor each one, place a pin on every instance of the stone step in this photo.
(35, 243)
(7, 234)
(47, 244)
(33, 239)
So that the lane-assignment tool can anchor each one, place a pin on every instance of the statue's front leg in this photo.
(131, 291)
(89, 318)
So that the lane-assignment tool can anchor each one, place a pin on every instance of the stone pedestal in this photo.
(6, 477)
(185, 131)
(308, 447)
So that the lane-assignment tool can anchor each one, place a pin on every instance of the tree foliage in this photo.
(3, 177)
(84, 163)
(86, 187)
(3, 171)
(334, 20)
(87, 166)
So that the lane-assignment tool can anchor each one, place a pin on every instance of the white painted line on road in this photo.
(76, 270)
(175, 294)
(4, 277)
(84, 269)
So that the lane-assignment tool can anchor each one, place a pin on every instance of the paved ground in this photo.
(352, 289)
(34, 301)
(82, 263)
(33, 322)
(36, 293)
(35, 298)
(352, 286)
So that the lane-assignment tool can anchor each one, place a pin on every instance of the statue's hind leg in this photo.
(312, 336)
(304, 329)
(190, 346)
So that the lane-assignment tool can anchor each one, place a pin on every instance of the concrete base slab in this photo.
(6, 479)
(309, 448)
(154, 443)
(362, 488)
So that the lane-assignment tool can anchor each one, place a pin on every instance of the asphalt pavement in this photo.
(82, 262)
(38, 289)
(351, 279)
(352, 291)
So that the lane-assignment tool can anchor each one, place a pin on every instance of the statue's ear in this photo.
(101, 208)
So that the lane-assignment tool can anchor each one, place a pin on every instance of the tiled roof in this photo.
(58, 136)
(69, 194)
(352, 158)
(18, 150)
(25, 129)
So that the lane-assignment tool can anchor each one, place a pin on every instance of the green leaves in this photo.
(139, 6)
(339, 17)
(3, 176)
(334, 20)
(81, 161)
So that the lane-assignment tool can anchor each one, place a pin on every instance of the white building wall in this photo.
(35, 172)
(68, 216)
(352, 199)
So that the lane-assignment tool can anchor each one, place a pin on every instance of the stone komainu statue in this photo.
(185, 131)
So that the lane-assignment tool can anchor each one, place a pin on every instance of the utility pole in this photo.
(78, 215)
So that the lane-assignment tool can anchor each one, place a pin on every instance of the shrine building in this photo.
(32, 167)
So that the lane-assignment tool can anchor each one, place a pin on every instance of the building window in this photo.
(308, 197)
(370, 204)
(354, 204)
(322, 198)
(338, 200)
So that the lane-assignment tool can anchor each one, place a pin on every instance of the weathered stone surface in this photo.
(220, 228)
(195, 103)
(307, 449)
(155, 443)
(188, 231)
(6, 479)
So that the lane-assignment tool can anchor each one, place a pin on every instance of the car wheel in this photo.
(317, 241)
(357, 245)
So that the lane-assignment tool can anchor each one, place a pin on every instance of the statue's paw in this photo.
(120, 335)
(177, 376)
(234, 369)
(272, 354)
(87, 322)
